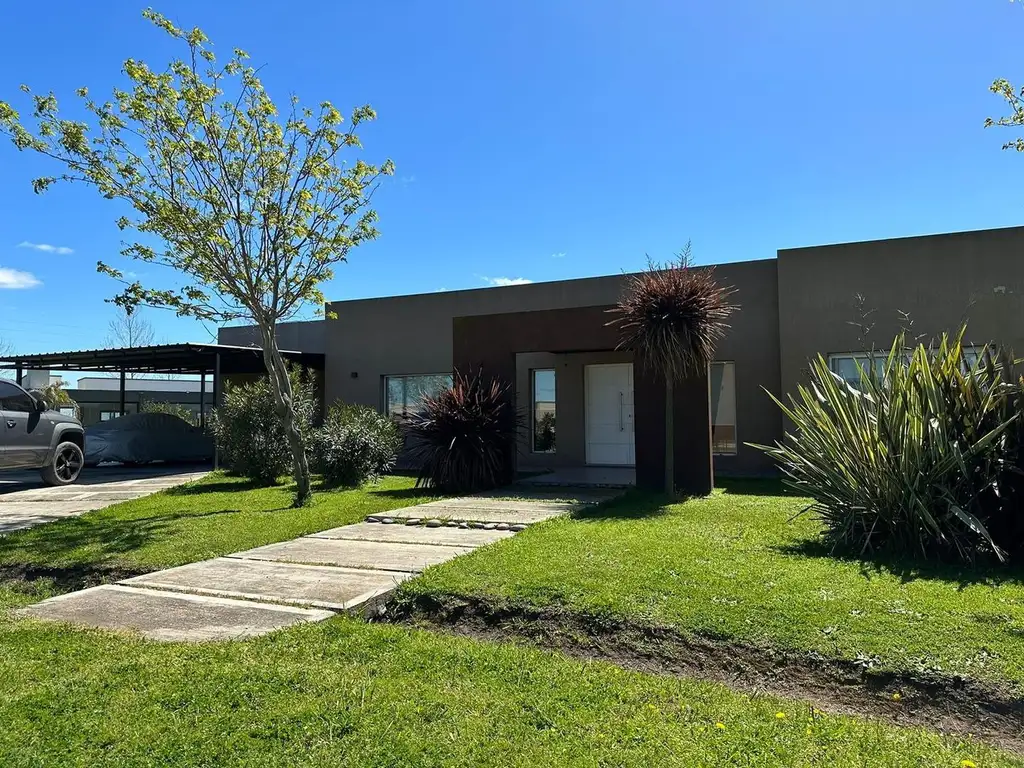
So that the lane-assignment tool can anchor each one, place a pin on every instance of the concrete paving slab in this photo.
(450, 537)
(511, 514)
(25, 502)
(331, 587)
(170, 615)
(385, 556)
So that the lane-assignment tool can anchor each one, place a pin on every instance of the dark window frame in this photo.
(533, 411)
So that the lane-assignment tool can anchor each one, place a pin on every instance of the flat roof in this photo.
(188, 357)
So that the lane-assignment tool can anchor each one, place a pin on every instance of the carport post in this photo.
(122, 392)
(19, 374)
(216, 401)
(202, 399)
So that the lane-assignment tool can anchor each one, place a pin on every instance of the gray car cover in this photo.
(140, 438)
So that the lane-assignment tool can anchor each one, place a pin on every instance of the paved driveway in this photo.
(25, 501)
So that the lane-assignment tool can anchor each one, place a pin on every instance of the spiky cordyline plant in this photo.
(672, 317)
(464, 437)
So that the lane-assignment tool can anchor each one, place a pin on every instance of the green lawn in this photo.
(733, 566)
(348, 693)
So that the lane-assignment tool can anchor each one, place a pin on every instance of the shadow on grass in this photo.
(908, 569)
(228, 485)
(634, 505)
(749, 486)
(56, 544)
(39, 580)
(405, 493)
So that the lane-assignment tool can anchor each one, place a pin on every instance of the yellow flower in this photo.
(808, 730)
(780, 715)
(720, 726)
(896, 696)
(967, 764)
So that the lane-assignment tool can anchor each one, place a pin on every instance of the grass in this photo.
(348, 693)
(214, 516)
(733, 566)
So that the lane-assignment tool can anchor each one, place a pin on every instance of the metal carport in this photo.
(188, 358)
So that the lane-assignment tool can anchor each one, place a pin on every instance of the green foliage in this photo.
(249, 433)
(355, 444)
(57, 397)
(174, 409)
(672, 316)
(251, 207)
(464, 437)
(920, 458)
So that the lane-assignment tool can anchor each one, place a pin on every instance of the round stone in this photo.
(413, 521)
(453, 524)
(373, 519)
(463, 524)
(435, 523)
(387, 520)
(518, 527)
(502, 526)
(490, 526)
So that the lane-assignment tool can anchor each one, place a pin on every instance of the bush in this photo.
(464, 438)
(355, 444)
(921, 458)
(248, 431)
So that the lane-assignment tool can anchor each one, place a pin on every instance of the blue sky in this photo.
(548, 139)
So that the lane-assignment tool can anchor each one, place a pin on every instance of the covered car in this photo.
(141, 438)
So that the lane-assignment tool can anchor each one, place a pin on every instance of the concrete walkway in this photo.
(25, 502)
(350, 569)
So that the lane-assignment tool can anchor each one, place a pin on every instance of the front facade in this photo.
(587, 404)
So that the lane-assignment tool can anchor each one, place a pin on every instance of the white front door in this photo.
(609, 404)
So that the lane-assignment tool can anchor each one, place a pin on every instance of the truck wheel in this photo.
(65, 465)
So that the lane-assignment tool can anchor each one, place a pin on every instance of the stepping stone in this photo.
(451, 537)
(337, 589)
(381, 555)
(169, 615)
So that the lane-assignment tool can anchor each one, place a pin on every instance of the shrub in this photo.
(354, 445)
(920, 458)
(464, 437)
(248, 431)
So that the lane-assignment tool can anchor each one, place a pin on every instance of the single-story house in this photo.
(588, 404)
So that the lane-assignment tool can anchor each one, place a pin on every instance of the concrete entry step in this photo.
(379, 555)
(330, 587)
(415, 534)
(170, 615)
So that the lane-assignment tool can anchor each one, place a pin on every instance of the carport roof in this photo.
(188, 357)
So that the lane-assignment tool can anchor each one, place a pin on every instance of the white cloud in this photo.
(559, 255)
(506, 280)
(13, 279)
(62, 250)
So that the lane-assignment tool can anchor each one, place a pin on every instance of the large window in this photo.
(723, 408)
(845, 365)
(543, 411)
(403, 395)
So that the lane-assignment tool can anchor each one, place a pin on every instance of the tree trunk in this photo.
(281, 386)
(670, 440)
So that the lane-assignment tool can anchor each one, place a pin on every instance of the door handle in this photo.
(11, 424)
(622, 424)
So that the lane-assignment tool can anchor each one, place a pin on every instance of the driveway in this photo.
(25, 501)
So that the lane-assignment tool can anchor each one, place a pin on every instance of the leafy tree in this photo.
(253, 208)
(180, 410)
(57, 397)
(672, 316)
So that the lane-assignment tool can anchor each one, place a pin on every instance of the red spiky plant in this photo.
(672, 317)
